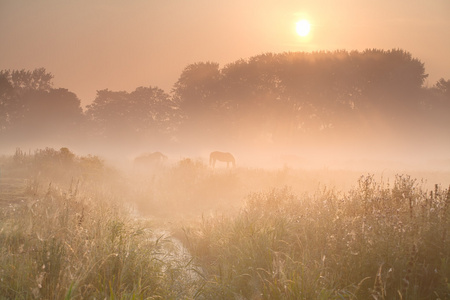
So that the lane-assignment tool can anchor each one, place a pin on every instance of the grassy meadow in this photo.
(74, 227)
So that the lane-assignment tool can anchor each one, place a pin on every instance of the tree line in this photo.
(272, 98)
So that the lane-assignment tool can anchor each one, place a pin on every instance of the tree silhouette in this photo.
(197, 88)
(289, 95)
(8, 103)
(31, 110)
(198, 94)
(22, 80)
(443, 86)
(271, 98)
(146, 113)
(435, 108)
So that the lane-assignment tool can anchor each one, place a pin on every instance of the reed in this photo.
(60, 243)
(69, 231)
(373, 242)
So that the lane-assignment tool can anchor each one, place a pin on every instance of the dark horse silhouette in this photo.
(221, 156)
(150, 159)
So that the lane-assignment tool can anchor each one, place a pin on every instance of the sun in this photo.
(303, 27)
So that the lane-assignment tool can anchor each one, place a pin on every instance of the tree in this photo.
(443, 86)
(198, 93)
(437, 103)
(22, 80)
(54, 108)
(197, 88)
(255, 93)
(32, 109)
(8, 102)
(290, 95)
(146, 113)
(13, 86)
(53, 115)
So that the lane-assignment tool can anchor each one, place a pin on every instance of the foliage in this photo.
(380, 240)
(76, 243)
(290, 94)
(145, 113)
(31, 109)
(444, 87)
(376, 242)
(267, 99)
(22, 80)
(56, 165)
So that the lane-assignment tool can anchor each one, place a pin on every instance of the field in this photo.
(75, 227)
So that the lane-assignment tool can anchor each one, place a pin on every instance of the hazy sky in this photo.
(90, 45)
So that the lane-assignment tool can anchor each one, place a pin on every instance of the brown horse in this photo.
(221, 156)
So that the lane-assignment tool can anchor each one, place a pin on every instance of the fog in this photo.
(204, 150)
(314, 113)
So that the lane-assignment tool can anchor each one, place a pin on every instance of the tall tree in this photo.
(146, 113)
(14, 85)
(198, 93)
(443, 86)
(197, 88)
(8, 102)
(22, 80)
(286, 94)
(31, 109)
(56, 111)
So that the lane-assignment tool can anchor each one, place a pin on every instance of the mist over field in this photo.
(339, 109)
(295, 175)
(225, 150)
(292, 119)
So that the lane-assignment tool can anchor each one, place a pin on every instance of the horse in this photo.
(221, 156)
(150, 159)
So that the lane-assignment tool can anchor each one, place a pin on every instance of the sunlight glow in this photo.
(303, 27)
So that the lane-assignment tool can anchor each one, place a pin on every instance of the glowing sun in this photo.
(303, 27)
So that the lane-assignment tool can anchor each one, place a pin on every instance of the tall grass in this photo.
(65, 247)
(67, 244)
(69, 234)
(377, 241)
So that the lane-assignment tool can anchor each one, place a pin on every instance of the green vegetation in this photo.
(68, 230)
